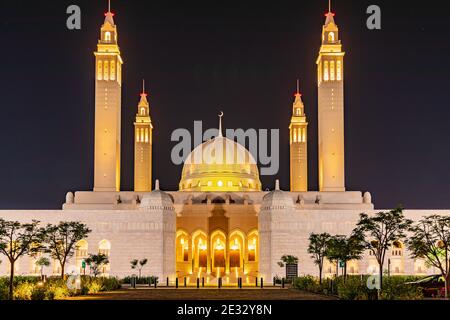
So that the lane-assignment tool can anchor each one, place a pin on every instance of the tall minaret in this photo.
(143, 146)
(108, 86)
(299, 145)
(331, 108)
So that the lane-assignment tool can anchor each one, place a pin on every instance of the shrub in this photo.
(39, 293)
(56, 289)
(110, 284)
(24, 291)
(94, 287)
(311, 284)
(394, 288)
(4, 290)
(353, 288)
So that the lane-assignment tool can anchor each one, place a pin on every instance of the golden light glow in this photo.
(221, 165)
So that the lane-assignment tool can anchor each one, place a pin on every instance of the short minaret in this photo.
(299, 145)
(108, 97)
(330, 72)
(143, 138)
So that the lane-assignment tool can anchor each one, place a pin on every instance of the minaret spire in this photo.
(109, 5)
(220, 124)
(329, 6)
(143, 87)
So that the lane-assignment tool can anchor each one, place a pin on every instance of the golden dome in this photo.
(220, 164)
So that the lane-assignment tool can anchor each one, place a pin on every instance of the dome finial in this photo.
(220, 124)
(157, 184)
(277, 184)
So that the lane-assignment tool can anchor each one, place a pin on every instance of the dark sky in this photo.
(242, 57)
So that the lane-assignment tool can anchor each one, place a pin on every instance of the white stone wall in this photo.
(133, 234)
(287, 232)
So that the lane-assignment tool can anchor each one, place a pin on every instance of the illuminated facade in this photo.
(143, 137)
(108, 107)
(219, 224)
(298, 140)
(330, 73)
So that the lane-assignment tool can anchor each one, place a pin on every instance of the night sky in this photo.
(242, 57)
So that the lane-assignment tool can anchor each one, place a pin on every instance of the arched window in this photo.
(81, 253)
(137, 135)
(104, 247)
(331, 37)
(332, 71)
(112, 69)
(397, 249)
(146, 135)
(326, 76)
(100, 70)
(142, 111)
(142, 135)
(105, 70)
(107, 36)
(339, 70)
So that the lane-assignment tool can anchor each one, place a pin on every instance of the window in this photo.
(331, 37)
(297, 111)
(112, 69)
(332, 70)
(142, 111)
(339, 70)
(105, 70)
(104, 247)
(146, 135)
(108, 36)
(325, 71)
(220, 183)
(142, 135)
(100, 70)
(137, 135)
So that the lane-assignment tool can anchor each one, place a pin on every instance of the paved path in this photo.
(205, 294)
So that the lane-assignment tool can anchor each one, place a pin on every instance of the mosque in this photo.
(219, 223)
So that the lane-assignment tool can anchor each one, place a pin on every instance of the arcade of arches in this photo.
(218, 238)
(217, 254)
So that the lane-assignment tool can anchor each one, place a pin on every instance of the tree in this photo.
(430, 240)
(96, 262)
(318, 245)
(378, 232)
(42, 262)
(345, 249)
(62, 239)
(138, 264)
(287, 260)
(17, 240)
